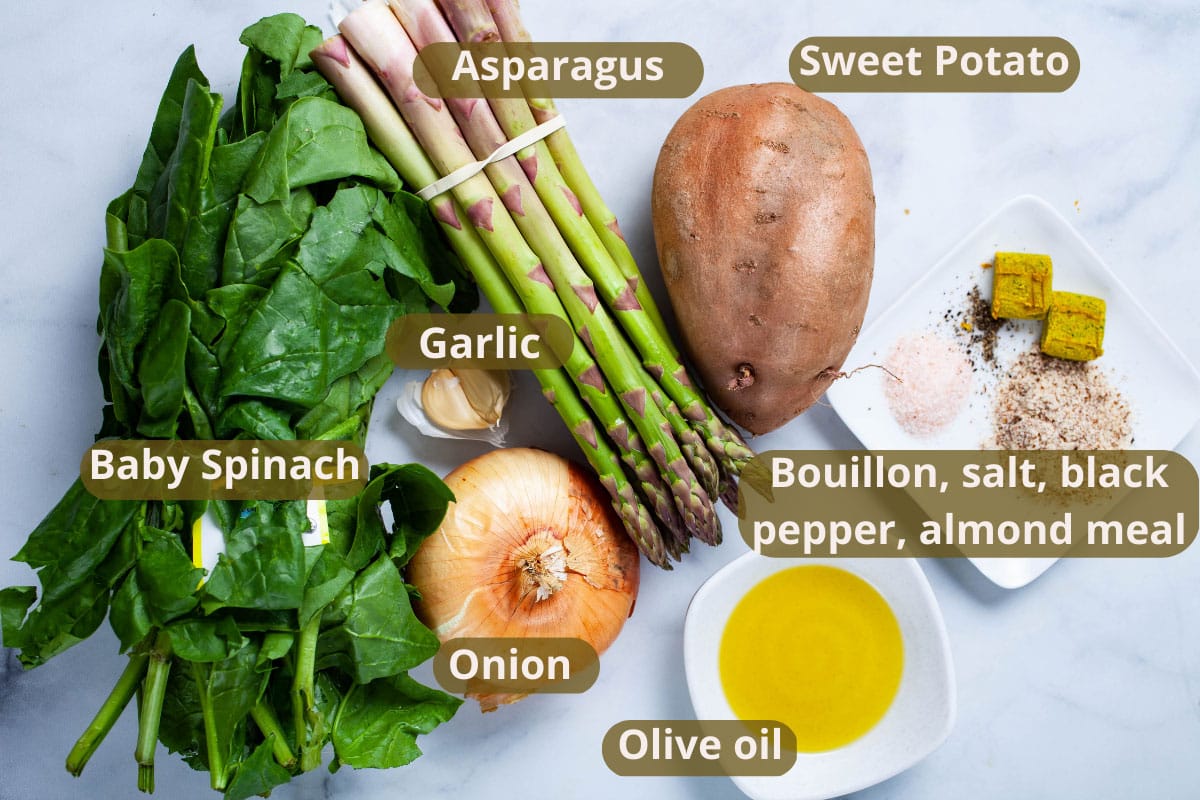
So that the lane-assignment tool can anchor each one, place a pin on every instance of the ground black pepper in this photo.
(984, 327)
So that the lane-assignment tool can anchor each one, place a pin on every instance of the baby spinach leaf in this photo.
(257, 419)
(378, 723)
(142, 280)
(329, 576)
(227, 690)
(204, 246)
(54, 626)
(379, 634)
(74, 538)
(348, 397)
(303, 84)
(414, 517)
(407, 294)
(316, 140)
(166, 576)
(263, 563)
(129, 613)
(205, 639)
(360, 229)
(233, 304)
(181, 728)
(277, 54)
(368, 530)
(328, 247)
(14, 604)
(203, 389)
(164, 135)
(263, 236)
(121, 556)
(418, 500)
(361, 288)
(275, 645)
(285, 39)
(162, 372)
(253, 111)
(329, 699)
(257, 775)
(177, 192)
(402, 248)
(201, 426)
(441, 260)
(296, 341)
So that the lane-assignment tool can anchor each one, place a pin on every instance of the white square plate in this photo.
(1160, 385)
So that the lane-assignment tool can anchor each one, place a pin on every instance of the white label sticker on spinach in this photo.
(208, 541)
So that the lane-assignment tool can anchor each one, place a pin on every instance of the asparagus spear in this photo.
(632, 512)
(472, 21)
(358, 89)
(383, 44)
(425, 26)
(510, 29)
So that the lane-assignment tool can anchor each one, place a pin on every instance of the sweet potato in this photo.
(764, 218)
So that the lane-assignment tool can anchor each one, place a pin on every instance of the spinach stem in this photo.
(264, 717)
(108, 714)
(153, 691)
(346, 429)
(115, 234)
(212, 744)
(303, 693)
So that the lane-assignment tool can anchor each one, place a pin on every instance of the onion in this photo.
(529, 548)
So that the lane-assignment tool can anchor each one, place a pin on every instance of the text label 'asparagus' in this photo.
(559, 69)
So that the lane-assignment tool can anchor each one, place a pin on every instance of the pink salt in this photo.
(931, 384)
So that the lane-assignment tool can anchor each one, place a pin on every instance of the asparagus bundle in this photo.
(538, 238)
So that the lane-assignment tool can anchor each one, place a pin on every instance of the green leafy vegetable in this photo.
(250, 274)
(367, 641)
(378, 723)
(258, 774)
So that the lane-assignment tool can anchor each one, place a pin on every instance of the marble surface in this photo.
(1085, 684)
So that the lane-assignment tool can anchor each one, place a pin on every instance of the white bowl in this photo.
(919, 718)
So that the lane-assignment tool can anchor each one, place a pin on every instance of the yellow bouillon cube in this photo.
(1020, 286)
(1074, 327)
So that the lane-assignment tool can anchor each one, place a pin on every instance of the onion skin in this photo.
(530, 548)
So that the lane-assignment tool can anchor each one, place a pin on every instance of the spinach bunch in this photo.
(249, 278)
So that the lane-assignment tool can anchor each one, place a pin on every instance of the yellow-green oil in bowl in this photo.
(816, 648)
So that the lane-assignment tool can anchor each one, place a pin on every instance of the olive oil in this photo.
(816, 648)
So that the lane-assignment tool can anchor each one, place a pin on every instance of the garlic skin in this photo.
(465, 399)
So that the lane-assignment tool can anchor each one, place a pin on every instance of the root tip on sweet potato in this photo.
(743, 378)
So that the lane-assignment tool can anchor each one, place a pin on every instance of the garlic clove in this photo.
(465, 399)
(410, 404)
(445, 402)
(486, 390)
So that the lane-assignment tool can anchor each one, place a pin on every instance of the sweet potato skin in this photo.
(764, 219)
